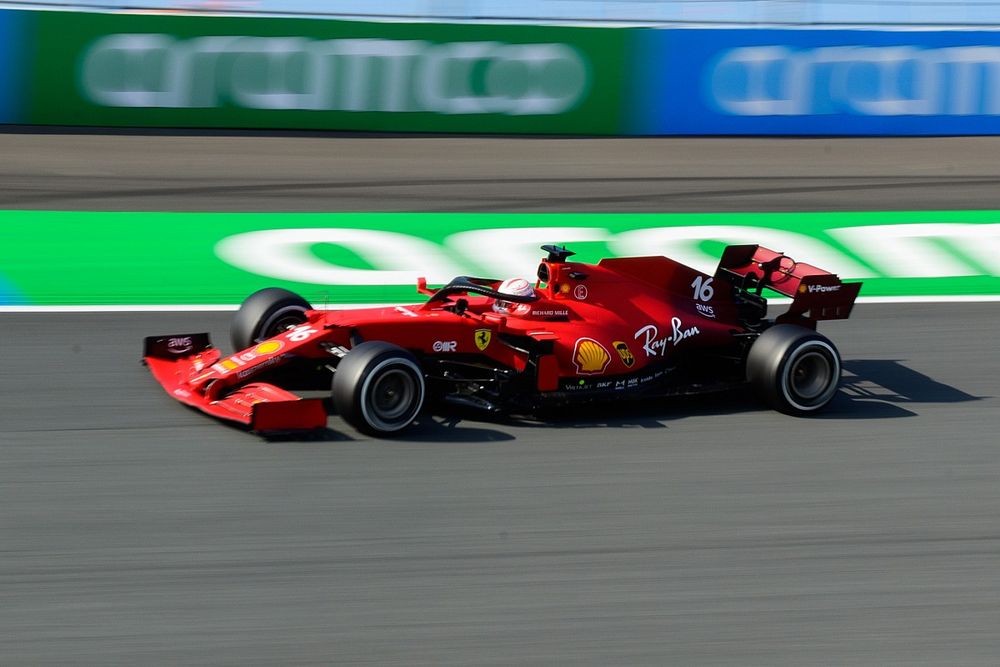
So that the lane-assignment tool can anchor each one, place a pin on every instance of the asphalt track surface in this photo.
(691, 532)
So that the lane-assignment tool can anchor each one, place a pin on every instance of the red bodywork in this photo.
(621, 324)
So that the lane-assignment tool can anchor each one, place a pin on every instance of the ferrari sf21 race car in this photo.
(624, 327)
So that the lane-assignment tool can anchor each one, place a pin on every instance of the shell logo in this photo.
(590, 357)
(270, 347)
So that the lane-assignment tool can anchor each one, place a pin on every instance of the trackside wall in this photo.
(127, 70)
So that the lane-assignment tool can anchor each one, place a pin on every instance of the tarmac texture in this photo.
(703, 531)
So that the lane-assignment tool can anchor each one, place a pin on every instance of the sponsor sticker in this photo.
(444, 345)
(626, 354)
(483, 338)
(180, 344)
(259, 367)
(655, 345)
(269, 347)
(637, 382)
(230, 364)
(300, 333)
(590, 357)
(705, 310)
(580, 292)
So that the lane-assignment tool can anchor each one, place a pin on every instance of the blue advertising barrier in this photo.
(823, 82)
(13, 64)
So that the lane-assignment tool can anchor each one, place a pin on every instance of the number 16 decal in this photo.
(703, 290)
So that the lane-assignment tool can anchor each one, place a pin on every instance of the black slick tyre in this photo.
(266, 313)
(793, 369)
(378, 388)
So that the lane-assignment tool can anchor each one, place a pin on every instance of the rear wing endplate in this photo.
(816, 294)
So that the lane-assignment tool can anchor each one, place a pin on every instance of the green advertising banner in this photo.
(68, 258)
(220, 72)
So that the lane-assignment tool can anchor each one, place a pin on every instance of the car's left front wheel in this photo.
(265, 314)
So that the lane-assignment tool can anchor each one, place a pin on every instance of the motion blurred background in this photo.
(857, 12)
(140, 140)
(697, 67)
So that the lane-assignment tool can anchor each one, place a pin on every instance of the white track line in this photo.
(977, 298)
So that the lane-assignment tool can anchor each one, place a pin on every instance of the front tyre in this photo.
(378, 388)
(794, 369)
(265, 314)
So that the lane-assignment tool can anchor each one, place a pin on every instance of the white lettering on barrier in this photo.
(925, 250)
(288, 254)
(899, 251)
(155, 70)
(776, 80)
(683, 245)
(514, 251)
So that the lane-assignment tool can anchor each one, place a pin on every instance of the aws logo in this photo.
(590, 357)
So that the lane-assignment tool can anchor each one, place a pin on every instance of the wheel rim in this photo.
(810, 375)
(280, 322)
(392, 396)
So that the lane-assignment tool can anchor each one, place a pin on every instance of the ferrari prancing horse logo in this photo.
(483, 338)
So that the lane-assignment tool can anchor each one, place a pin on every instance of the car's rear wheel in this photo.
(265, 314)
(794, 370)
(378, 388)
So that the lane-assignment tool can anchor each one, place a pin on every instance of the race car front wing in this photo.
(178, 362)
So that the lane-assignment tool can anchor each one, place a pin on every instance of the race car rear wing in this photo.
(816, 294)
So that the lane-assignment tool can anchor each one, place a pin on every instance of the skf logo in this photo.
(590, 357)
(624, 353)
(483, 338)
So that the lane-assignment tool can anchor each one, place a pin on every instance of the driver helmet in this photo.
(518, 287)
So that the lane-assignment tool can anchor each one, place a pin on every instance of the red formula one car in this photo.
(624, 327)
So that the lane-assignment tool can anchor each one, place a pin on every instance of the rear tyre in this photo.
(378, 388)
(793, 369)
(265, 314)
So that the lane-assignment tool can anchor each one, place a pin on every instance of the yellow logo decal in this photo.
(624, 353)
(229, 364)
(483, 338)
(269, 347)
(590, 357)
